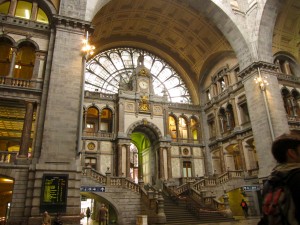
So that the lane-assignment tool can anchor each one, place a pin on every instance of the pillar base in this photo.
(22, 160)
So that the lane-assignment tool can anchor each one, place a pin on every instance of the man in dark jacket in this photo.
(286, 151)
(102, 215)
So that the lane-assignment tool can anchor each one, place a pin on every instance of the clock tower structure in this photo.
(142, 84)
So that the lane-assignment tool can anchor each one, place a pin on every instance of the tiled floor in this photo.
(242, 221)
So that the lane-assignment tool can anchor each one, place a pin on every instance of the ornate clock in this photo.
(91, 146)
(143, 84)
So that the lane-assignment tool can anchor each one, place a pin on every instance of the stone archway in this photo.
(152, 167)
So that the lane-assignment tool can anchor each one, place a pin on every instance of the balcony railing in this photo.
(8, 157)
(20, 83)
(97, 134)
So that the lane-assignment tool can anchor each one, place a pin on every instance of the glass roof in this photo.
(105, 70)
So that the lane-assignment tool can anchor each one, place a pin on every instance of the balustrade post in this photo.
(108, 177)
(161, 217)
(141, 183)
(228, 212)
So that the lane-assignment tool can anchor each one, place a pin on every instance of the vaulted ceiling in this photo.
(170, 29)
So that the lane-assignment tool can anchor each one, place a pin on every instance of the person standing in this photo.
(244, 206)
(88, 213)
(46, 219)
(102, 215)
(285, 176)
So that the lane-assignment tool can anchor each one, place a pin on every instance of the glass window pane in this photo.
(4, 7)
(105, 71)
(42, 17)
(23, 9)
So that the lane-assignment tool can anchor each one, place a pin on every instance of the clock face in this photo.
(91, 146)
(143, 84)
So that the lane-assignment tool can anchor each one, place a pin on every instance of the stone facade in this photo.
(218, 48)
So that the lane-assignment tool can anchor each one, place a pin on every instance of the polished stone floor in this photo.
(239, 221)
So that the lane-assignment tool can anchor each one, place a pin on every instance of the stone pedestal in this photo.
(141, 220)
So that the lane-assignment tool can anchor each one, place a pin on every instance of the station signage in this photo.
(92, 189)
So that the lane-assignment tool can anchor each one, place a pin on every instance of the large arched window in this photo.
(5, 53)
(25, 60)
(106, 120)
(172, 127)
(105, 71)
(25, 10)
(92, 119)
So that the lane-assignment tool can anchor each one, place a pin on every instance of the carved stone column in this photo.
(26, 132)
(266, 110)
(169, 162)
(234, 109)
(128, 160)
(119, 172)
(12, 63)
(161, 163)
(217, 121)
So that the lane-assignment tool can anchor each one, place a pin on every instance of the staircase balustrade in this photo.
(107, 180)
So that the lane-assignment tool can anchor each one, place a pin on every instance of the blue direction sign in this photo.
(251, 188)
(92, 189)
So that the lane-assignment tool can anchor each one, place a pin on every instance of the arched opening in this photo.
(94, 202)
(106, 120)
(92, 120)
(5, 56)
(6, 188)
(25, 60)
(141, 158)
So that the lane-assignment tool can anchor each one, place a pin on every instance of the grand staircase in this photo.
(178, 214)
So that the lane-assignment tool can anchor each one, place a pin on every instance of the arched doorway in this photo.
(141, 158)
(6, 188)
(149, 153)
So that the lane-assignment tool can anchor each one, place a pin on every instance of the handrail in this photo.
(110, 181)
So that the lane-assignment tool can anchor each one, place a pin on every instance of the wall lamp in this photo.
(262, 82)
(87, 48)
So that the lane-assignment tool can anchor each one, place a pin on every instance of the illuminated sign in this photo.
(54, 192)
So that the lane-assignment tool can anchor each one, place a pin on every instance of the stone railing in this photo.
(230, 174)
(186, 140)
(21, 83)
(8, 157)
(108, 180)
(253, 172)
(98, 134)
(99, 95)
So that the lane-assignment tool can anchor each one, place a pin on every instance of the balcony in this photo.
(20, 83)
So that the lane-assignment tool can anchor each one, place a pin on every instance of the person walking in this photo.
(281, 195)
(102, 215)
(46, 219)
(244, 206)
(88, 213)
(57, 220)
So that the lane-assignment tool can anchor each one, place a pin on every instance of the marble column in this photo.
(119, 172)
(161, 163)
(12, 63)
(128, 160)
(26, 132)
(169, 162)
